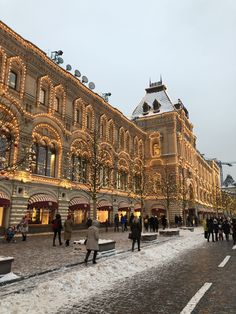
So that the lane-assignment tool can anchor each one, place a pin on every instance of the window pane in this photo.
(12, 79)
(42, 96)
(42, 160)
(57, 104)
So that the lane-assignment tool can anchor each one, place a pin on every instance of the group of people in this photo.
(219, 228)
(122, 220)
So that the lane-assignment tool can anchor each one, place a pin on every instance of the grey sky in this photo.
(119, 45)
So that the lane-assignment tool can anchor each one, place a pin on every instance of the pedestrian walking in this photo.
(234, 230)
(210, 229)
(176, 221)
(57, 227)
(146, 223)
(226, 228)
(180, 221)
(131, 219)
(125, 218)
(164, 222)
(221, 237)
(68, 226)
(122, 220)
(92, 241)
(204, 223)
(136, 230)
(156, 224)
(23, 227)
(116, 223)
(216, 228)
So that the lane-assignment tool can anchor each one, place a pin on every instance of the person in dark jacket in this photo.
(164, 222)
(136, 230)
(234, 230)
(216, 228)
(156, 224)
(210, 229)
(226, 228)
(57, 227)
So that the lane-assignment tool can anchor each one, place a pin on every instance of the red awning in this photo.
(4, 199)
(104, 205)
(124, 209)
(158, 210)
(42, 200)
(79, 203)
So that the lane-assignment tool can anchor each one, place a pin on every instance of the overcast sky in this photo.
(119, 45)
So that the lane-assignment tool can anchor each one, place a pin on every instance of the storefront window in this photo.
(43, 216)
(103, 215)
(79, 216)
(1, 216)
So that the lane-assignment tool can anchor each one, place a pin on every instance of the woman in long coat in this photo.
(92, 241)
(23, 227)
(68, 226)
(136, 230)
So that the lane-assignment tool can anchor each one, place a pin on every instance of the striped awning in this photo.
(104, 205)
(158, 210)
(123, 206)
(78, 203)
(42, 200)
(137, 207)
(4, 199)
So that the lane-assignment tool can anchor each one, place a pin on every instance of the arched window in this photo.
(6, 147)
(146, 108)
(16, 75)
(111, 133)
(122, 139)
(45, 159)
(156, 106)
(79, 171)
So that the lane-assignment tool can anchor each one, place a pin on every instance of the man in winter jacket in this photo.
(92, 241)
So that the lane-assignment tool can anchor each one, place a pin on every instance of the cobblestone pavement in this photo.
(37, 255)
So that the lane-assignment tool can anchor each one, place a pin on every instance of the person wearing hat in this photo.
(68, 226)
(92, 241)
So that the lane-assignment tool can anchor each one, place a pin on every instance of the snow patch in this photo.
(80, 284)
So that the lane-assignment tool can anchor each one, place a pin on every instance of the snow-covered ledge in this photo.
(187, 228)
(5, 264)
(149, 236)
(104, 244)
(169, 232)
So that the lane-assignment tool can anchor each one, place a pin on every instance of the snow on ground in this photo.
(82, 283)
(8, 277)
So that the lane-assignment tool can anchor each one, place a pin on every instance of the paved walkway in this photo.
(37, 255)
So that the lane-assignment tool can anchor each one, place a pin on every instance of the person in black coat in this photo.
(234, 230)
(136, 230)
(216, 228)
(226, 228)
(57, 227)
(210, 229)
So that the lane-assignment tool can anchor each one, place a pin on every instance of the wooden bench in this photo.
(5, 264)
(169, 233)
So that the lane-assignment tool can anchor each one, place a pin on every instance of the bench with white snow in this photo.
(148, 236)
(104, 245)
(187, 228)
(169, 232)
(5, 264)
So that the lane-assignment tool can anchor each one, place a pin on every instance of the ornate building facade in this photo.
(64, 148)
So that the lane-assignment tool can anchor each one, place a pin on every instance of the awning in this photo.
(158, 210)
(77, 203)
(123, 206)
(42, 200)
(4, 199)
(137, 207)
(104, 205)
